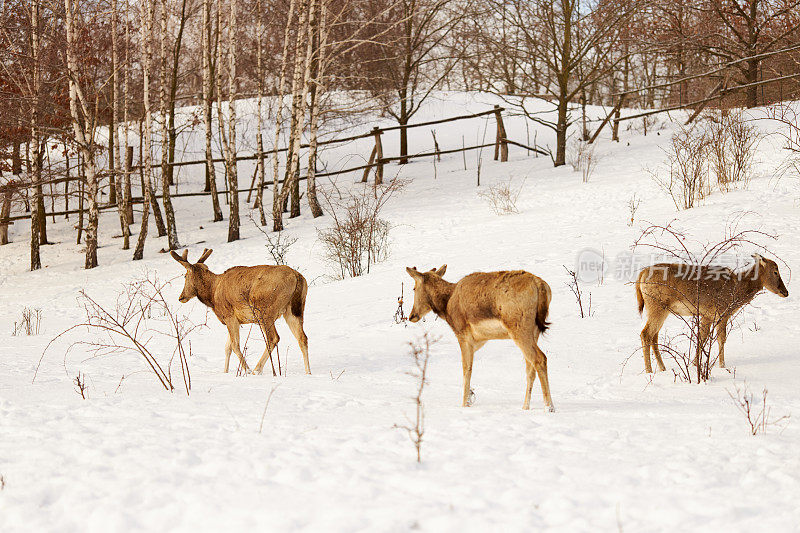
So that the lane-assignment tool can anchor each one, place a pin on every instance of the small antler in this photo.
(206, 253)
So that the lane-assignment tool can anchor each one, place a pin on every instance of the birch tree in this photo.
(169, 212)
(147, 8)
(208, 90)
(84, 123)
(36, 262)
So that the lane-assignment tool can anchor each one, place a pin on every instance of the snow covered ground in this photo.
(621, 452)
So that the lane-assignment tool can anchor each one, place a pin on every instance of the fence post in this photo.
(500, 144)
(5, 212)
(378, 156)
(127, 184)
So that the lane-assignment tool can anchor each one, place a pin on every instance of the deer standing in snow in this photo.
(713, 293)
(485, 306)
(249, 295)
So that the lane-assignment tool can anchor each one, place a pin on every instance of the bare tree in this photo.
(166, 174)
(573, 46)
(84, 122)
(208, 89)
(148, 9)
(36, 262)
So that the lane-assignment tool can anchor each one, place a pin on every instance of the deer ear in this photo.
(206, 253)
(442, 269)
(759, 260)
(412, 271)
(179, 259)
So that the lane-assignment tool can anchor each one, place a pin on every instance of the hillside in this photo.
(623, 450)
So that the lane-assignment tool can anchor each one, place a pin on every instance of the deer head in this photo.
(194, 274)
(422, 290)
(769, 276)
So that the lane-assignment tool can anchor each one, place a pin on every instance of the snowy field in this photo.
(622, 452)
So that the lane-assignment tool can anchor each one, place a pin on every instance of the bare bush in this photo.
(755, 410)
(502, 197)
(788, 118)
(80, 384)
(582, 158)
(30, 323)
(685, 178)
(140, 315)
(584, 308)
(400, 314)
(359, 237)
(277, 244)
(633, 206)
(420, 354)
(732, 147)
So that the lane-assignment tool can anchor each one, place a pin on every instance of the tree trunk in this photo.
(277, 202)
(146, 163)
(166, 175)
(233, 176)
(83, 125)
(561, 132)
(751, 76)
(36, 262)
(116, 176)
(208, 89)
(317, 89)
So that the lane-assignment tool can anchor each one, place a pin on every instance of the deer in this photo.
(712, 293)
(249, 295)
(489, 305)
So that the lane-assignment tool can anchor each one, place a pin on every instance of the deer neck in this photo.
(749, 285)
(439, 295)
(206, 287)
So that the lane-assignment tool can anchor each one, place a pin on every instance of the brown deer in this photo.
(249, 295)
(713, 293)
(489, 305)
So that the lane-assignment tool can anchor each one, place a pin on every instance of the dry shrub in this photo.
(359, 237)
(420, 354)
(139, 316)
(755, 410)
(584, 307)
(582, 158)
(502, 197)
(30, 323)
(277, 244)
(732, 147)
(685, 177)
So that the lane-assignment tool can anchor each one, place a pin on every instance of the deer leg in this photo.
(540, 364)
(530, 374)
(227, 353)
(649, 338)
(467, 355)
(722, 336)
(296, 326)
(233, 333)
(657, 353)
(271, 338)
(645, 336)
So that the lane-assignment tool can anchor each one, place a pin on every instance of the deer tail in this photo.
(639, 296)
(543, 307)
(299, 296)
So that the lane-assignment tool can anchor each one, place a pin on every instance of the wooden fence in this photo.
(376, 161)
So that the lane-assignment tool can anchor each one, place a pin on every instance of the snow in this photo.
(623, 450)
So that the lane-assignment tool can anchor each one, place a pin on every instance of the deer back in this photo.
(255, 293)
